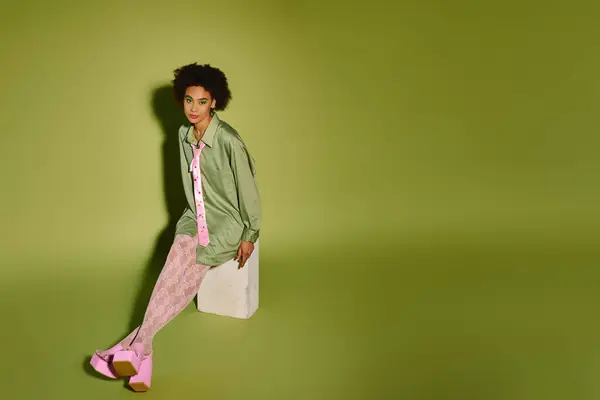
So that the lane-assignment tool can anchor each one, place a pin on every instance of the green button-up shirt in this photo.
(231, 199)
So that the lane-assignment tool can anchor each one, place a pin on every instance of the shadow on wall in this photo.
(170, 117)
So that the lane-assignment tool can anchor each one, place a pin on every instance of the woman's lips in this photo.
(193, 116)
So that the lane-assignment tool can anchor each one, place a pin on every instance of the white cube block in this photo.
(229, 291)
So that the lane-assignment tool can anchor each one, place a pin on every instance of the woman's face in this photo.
(197, 103)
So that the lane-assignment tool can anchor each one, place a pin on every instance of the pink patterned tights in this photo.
(178, 283)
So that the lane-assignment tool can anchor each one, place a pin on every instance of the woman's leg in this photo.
(177, 284)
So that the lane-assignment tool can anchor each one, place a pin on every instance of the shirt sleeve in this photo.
(243, 167)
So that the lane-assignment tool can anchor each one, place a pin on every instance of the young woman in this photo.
(220, 222)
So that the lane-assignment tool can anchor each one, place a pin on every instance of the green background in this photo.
(429, 174)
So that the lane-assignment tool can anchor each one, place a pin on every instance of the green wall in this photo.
(427, 147)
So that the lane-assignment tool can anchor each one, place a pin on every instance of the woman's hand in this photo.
(244, 252)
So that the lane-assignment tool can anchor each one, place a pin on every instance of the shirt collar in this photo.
(209, 133)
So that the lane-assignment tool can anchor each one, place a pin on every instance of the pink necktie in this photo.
(200, 212)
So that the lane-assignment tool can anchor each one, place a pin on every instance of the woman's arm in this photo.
(242, 165)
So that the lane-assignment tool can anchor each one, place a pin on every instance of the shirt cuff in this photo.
(250, 235)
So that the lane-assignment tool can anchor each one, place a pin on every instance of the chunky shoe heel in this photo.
(126, 363)
(141, 381)
(103, 367)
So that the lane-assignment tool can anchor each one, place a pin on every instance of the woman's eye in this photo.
(188, 100)
(203, 102)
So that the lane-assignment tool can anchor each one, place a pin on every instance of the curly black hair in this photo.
(210, 78)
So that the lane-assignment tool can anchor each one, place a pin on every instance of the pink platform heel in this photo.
(127, 362)
(103, 367)
(141, 381)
